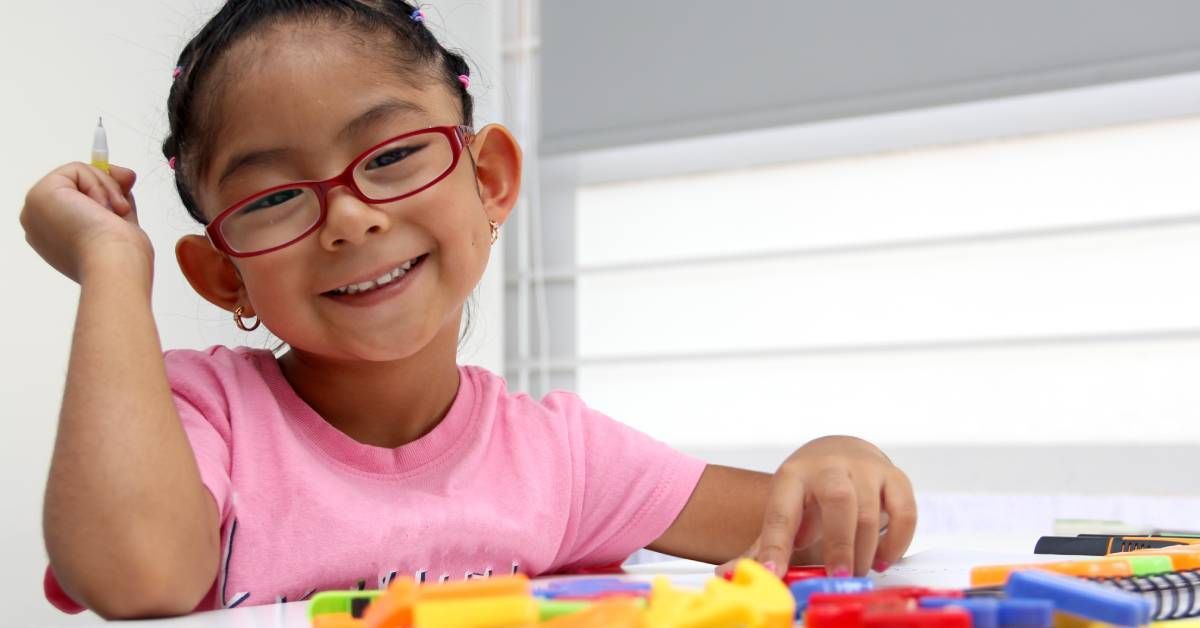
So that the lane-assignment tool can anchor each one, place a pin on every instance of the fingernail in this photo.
(770, 565)
(840, 572)
(881, 566)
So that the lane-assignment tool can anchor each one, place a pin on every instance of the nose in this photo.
(349, 220)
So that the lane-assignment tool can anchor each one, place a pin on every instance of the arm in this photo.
(721, 518)
(129, 527)
(825, 504)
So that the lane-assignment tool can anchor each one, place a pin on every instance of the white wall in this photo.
(62, 64)
(1006, 334)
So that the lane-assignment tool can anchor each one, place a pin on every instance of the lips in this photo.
(382, 279)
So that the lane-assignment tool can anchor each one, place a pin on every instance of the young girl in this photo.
(327, 147)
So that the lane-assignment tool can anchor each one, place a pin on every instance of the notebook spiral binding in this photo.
(1172, 595)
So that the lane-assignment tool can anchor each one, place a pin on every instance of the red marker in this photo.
(795, 574)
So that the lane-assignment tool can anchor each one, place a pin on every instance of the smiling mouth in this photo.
(394, 275)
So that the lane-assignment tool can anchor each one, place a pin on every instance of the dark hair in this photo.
(416, 51)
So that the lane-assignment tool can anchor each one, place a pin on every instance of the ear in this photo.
(210, 272)
(497, 170)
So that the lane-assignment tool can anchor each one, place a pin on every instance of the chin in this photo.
(383, 349)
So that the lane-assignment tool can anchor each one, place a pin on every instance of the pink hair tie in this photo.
(465, 80)
(417, 16)
(178, 71)
(171, 163)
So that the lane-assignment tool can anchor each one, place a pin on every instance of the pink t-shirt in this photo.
(503, 484)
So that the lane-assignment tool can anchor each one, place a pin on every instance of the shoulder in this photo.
(560, 412)
(215, 372)
(492, 393)
(213, 361)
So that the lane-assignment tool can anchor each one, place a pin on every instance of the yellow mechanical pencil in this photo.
(100, 147)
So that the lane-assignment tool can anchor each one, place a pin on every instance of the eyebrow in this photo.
(381, 111)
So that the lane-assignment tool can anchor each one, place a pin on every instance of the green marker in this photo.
(327, 602)
(1149, 565)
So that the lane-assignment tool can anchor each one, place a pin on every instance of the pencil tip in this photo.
(101, 122)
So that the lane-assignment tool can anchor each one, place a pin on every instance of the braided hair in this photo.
(414, 49)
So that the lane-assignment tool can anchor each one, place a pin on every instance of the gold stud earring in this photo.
(495, 230)
(238, 320)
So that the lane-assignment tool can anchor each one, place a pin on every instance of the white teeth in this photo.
(383, 280)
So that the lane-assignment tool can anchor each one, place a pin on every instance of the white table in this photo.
(937, 562)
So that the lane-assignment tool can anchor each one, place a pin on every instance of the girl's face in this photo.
(299, 104)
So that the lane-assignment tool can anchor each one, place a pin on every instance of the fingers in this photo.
(101, 187)
(123, 176)
(866, 530)
(118, 194)
(781, 521)
(901, 509)
(132, 215)
(835, 493)
(88, 183)
(126, 178)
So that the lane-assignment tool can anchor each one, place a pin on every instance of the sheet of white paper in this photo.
(951, 568)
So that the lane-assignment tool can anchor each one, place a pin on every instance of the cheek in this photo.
(270, 286)
(461, 227)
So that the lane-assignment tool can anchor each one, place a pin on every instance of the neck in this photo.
(385, 404)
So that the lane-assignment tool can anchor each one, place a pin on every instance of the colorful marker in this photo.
(1182, 557)
(997, 575)
(1080, 597)
(100, 147)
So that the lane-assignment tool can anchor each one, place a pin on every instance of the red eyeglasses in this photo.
(389, 171)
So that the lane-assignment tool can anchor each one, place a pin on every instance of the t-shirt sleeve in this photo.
(628, 488)
(203, 411)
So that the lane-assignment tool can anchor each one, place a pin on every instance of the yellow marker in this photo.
(1067, 620)
(335, 620)
(100, 147)
(498, 611)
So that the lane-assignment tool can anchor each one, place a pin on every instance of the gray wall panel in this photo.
(616, 74)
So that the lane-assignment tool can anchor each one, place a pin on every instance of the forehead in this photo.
(309, 82)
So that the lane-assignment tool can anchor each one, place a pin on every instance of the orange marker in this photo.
(611, 613)
(485, 587)
(335, 620)
(997, 575)
(442, 603)
(393, 609)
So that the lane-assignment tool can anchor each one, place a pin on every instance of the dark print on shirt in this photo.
(421, 576)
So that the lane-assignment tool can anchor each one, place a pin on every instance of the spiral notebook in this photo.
(1172, 595)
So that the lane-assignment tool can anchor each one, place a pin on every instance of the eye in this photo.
(392, 156)
(271, 200)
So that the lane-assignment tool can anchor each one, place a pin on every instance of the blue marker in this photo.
(984, 612)
(1080, 597)
(584, 588)
(1026, 613)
